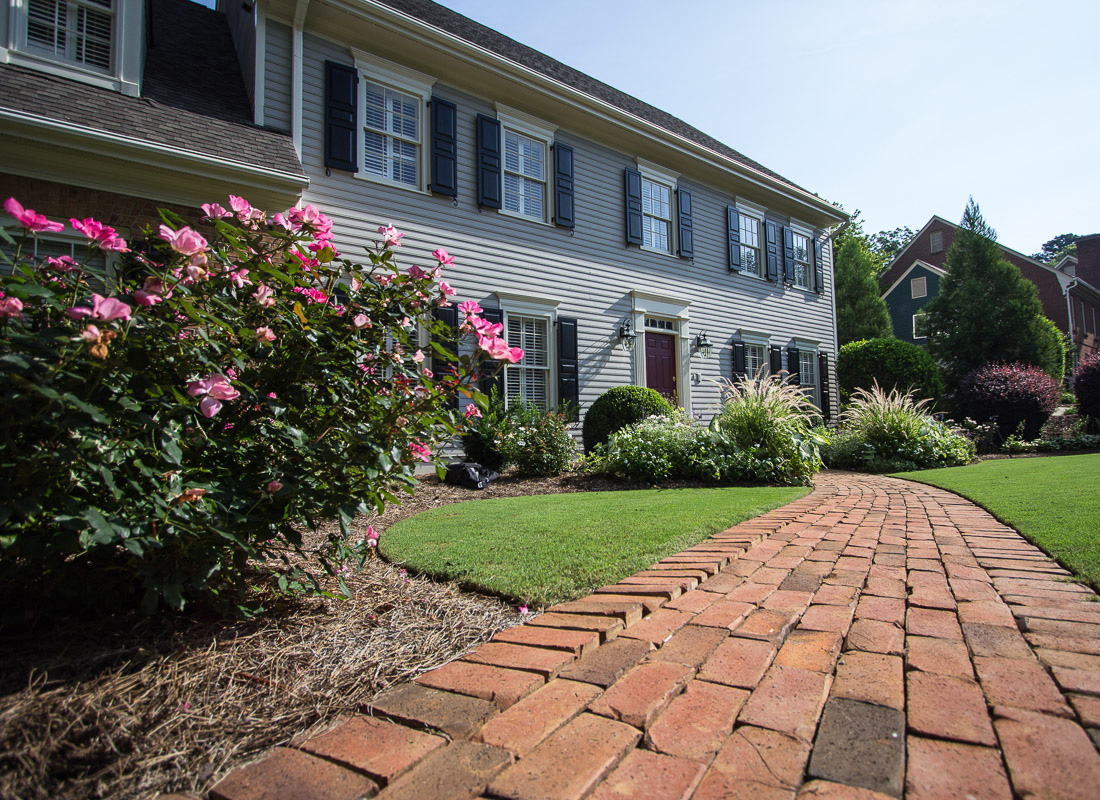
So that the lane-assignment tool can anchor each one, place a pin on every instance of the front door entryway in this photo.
(660, 364)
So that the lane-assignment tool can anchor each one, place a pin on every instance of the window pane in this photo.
(807, 368)
(375, 107)
(754, 358)
(93, 41)
(374, 153)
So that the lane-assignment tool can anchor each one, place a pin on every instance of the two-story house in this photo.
(616, 243)
(1069, 296)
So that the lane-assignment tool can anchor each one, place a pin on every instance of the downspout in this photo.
(1069, 321)
(834, 382)
(297, 58)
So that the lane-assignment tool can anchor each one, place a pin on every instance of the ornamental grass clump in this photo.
(890, 432)
(167, 436)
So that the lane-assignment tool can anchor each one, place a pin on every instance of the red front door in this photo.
(660, 363)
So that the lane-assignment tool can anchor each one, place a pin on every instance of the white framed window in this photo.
(918, 288)
(752, 261)
(935, 242)
(528, 381)
(526, 165)
(919, 331)
(656, 215)
(802, 271)
(393, 121)
(77, 31)
(40, 247)
(807, 374)
(756, 360)
(664, 325)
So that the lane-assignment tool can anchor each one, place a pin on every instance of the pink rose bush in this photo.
(172, 427)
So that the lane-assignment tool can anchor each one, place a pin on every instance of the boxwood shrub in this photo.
(618, 407)
(892, 363)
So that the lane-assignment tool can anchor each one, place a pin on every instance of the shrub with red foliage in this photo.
(1010, 394)
(1086, 385)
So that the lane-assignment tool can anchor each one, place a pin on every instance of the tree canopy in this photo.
(1054, 250)
(860, 311)
(986, 310)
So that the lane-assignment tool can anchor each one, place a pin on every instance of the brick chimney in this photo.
(1088, 259)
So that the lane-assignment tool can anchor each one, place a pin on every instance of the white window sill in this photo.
(71, 70)
(668, 253)
(387, 182)
(515, 215)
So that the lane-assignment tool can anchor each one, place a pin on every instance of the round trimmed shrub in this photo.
(1052, 348)
(893, 363)
(1086, 385)
(618, 407)
(1010, 394)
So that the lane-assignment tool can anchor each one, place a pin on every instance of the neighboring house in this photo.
(113, 108)
(1070, 299)
(581, 218)
(575, 212)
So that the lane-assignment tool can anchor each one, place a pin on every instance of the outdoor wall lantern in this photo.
(627, 336)
(703, 345)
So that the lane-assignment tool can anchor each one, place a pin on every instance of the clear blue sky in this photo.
(900, 109)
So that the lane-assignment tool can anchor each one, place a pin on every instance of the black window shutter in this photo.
(772, 246)
(488, 162)
(564, 214)
(633, 206)
(738, 359)
(792, 364)
(775, 355)
(444, 148)
(686, 228)
(341, 116)
(788, 255)
(441, 366)
(823, 377)
(733, 226)
(489, 382)
(819, 266)
(569, 390)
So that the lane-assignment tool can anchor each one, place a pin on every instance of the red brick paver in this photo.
(874, 639)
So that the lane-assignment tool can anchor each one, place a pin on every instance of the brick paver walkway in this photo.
(875, 639)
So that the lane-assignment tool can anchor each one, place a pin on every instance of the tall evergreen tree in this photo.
(860, 312)
(986, 310)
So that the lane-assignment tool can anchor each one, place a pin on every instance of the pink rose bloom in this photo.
(417, 273)
(216, 388)
(62, 263)
(356, 284)
(265, 334)
(418, 357)
(185, 241)
(263, 295)
(472, 411)
(241, 207)
(443, 257)
(273, 487)
(215, 211)
(102, 236)
(360, 321)
(239, 278)
(11, 307)
(79, 312)
(384, 280)
(469, 308)
(281, 220)
(486, 328)
(34, 222)
(391, 237)
(106, 309)
(420, 451)
(372, 536)
(147, 299)
(90, 334)
(446, 290)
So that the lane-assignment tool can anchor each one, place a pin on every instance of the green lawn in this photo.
(1054, 502)
(546, 548)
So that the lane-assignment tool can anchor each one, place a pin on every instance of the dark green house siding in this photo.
(901, 305)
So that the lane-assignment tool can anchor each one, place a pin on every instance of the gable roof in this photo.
(193, 95)
(918, 263)
(477, 34)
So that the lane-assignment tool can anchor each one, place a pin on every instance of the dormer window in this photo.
(79, 31)
(98, 42)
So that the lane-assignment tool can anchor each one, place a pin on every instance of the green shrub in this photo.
(618, 407)
(655, 449)
(537, 442)
(1054, 349)
(892, 364)
(891, 432)
(170, 439)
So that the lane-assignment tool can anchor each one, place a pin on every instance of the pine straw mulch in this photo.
(130, 708)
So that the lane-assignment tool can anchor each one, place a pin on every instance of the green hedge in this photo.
(891, 362)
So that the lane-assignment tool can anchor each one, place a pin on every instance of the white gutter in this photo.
(297, 58)
(552, 88)
(145, 152)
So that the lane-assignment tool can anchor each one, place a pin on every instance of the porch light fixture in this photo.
(627, 336)
(703, 345)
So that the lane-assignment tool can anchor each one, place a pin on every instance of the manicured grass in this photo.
(546, 548)
(1054, 502)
